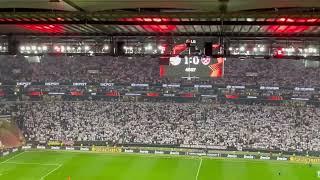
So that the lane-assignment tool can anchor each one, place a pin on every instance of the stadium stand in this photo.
(195, 84)
(111, 69)
(240, 127)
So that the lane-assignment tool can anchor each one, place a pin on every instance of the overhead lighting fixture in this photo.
(106, 47)
(57, 49)
(250, 19)
(312, 50)
(148, 47)
(62, 48)
(292, 49)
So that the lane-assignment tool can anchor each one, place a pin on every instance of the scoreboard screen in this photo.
(193, 67)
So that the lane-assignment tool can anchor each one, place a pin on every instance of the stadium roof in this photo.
(161, 17)
(199, 5)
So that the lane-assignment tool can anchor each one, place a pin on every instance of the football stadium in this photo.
(159, 90)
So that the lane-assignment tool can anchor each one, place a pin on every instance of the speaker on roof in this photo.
(208, 48)
(13, 46)
(119, 50)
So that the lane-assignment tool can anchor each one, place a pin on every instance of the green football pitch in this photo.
(58, 165)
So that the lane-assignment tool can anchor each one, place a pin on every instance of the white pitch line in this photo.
(12, 157)
(42, 178)
(26, 163)
(200, 164)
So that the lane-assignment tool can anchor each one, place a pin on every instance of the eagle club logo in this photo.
(175, 61)
(206, 60)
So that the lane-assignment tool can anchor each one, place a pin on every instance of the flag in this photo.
(112, 93)
(275, 98)
(179, 48)
(162, 71)
(153, 94)
(232, 96)
(35, 93)
(76, 93)
(217, 68)
(187, 95)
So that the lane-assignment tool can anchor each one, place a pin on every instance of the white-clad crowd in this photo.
(239, 126)
(225, 125)
(273, 72)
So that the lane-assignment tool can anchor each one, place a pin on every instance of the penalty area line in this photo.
(55, 169)
(200, 164)
(26, 163)
(15, 156)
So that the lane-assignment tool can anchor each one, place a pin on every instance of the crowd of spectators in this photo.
(273, 72)
(221, 125)
(79, 69)
(224, 125)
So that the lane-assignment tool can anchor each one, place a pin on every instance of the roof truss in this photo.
(177, 23)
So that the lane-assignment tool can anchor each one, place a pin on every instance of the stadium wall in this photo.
(180, 147)
(143, 151)
(155, 151)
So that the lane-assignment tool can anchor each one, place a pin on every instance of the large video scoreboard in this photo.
(193, 67)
